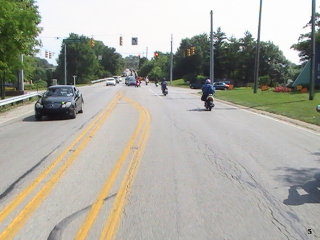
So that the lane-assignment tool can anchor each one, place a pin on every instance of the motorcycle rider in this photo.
(138, 82)
(163, 84)
(207, 89)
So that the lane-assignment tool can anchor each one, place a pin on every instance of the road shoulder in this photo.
(299, 123)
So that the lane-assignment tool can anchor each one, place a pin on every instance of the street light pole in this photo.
(211, 50)
(74, 79)
(171, 61)
(65, 63)
(313, 55)
(257, 59)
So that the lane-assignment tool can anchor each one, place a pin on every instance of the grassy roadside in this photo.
(293, 105)
(179, 83)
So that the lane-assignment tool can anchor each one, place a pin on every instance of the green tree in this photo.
(274, 64)
(81, 60)
(304, 41)
(219, 44)
(18, 30)
(146, 68)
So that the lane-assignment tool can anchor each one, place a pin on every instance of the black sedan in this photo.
(59, 99)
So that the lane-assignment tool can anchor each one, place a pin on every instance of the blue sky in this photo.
(153, 22)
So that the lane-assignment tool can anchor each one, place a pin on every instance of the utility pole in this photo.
(313, 52)
(65, 63)
(171, 61)
(257, 60)
(211, 50)
(21, 76)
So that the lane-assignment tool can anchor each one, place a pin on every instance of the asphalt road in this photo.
(139, 165)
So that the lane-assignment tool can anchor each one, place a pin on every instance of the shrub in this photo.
(189, 77)
(264, 80)
(282, 89)
(37, 85)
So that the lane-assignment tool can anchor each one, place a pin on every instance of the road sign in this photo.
(134, 41)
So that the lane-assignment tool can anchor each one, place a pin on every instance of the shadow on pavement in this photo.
(45, 118)
(305, 186)
(198, 110)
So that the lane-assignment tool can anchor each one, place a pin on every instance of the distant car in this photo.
(118, 79)
(131, 81)
(196, 85)
(59, 99)
(110, 81)
(221, 86)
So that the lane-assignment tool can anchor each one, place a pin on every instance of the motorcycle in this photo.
(138, 83)
(209, 102)
(165, 91)
(157, 84)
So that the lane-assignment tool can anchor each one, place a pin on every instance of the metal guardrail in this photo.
(99, 80)
(30, 95)
(18, 98)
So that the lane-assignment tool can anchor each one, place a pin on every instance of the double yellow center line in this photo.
(138, 138)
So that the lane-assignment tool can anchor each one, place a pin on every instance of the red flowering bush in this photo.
(282, 89)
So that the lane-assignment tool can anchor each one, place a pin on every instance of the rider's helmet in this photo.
(208, 81)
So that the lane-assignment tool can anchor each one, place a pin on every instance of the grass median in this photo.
(293, 105)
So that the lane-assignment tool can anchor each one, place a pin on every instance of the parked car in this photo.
(110, 81)
(221, 86)
(195, 85)
(59, 99)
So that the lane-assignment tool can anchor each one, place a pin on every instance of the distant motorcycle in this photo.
(138, 83)
(165, 91)
(209, 103)
(157, 84)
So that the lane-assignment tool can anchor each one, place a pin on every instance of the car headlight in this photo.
(66, 104)
(39, 105)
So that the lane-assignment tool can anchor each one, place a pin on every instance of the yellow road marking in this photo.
(113, 220)
(19, 220)
(95, 209)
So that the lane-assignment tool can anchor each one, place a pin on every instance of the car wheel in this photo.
(81, 109)
(38, 117)
(73, 113)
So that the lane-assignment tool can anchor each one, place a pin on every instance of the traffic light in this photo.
(134, 41)
(50, 55)
(46, 54)
(156, 54)
(193, 50)
(92, 42)
(188, 52)
(121, 41)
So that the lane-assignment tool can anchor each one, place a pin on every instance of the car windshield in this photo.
(59, 92)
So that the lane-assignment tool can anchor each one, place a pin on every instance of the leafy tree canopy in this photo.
(18, 30)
